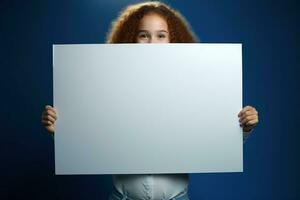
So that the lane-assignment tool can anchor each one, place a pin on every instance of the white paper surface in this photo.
(148, 108)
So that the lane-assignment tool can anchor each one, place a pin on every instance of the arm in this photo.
(246, 135)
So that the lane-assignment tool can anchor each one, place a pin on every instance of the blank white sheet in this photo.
(147, 108)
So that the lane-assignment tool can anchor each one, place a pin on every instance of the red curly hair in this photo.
(125, 28)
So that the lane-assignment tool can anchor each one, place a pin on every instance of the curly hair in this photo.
(125, 28)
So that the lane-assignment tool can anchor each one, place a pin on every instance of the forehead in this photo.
(153, 20)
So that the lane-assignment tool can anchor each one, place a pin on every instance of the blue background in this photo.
(270, 36)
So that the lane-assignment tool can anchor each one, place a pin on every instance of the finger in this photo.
(44, 114)
(249, 112)
(47, 122)
(48, 107)
(49, 118)
(247, 119)
(51, 113)
(252, 122)
(247, 115)
(244, 109)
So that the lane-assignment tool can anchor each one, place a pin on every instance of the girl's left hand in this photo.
(248, 118)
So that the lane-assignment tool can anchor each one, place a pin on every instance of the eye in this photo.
(143, 35)
(161, 36)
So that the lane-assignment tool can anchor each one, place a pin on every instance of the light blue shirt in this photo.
(151, 186)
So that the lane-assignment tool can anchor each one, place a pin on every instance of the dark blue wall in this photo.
(269, 33)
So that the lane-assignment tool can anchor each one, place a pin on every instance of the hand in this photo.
(248, 118)
(49, 117)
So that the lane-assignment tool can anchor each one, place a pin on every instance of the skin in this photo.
(49, 116)
(154, 29)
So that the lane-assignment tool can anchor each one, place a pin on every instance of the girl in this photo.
(152, 22)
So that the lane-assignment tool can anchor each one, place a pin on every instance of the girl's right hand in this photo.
(49, 117)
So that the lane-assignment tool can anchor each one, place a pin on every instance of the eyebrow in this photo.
(148, 31)
(162, 31)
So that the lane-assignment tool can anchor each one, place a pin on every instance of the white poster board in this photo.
(148, 108)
